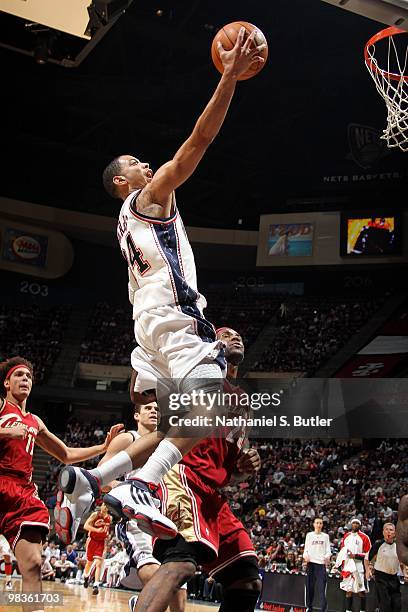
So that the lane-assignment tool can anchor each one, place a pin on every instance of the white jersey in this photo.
(317, 547)
(160, 259)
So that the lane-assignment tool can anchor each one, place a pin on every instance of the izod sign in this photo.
(26, 247)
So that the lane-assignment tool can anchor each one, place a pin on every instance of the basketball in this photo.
(228, 36)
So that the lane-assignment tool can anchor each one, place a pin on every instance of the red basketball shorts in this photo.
(94, 549)
(203, 515)
(20, 507)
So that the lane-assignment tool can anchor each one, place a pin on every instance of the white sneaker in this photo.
(133, 602)
(81, 490)
(136, 499)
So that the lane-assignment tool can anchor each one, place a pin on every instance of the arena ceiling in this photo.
(301, 135)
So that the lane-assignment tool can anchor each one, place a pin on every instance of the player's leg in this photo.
(310, 582)
(321, 580)
(362, 600)
(241, 585)
(8, 568)
(178, 602)
(164, 585)
(348, 601)
(87, 572)
(28, 554)
(236, 566)
(98, 569)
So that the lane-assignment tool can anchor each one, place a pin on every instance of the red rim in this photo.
(393, 30)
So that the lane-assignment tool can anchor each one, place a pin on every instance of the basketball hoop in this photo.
(392, 81)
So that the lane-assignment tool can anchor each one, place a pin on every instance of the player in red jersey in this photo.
(24, 519)
(97, 525)
(209, 533)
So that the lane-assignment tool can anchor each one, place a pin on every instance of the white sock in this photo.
(113, 468)
(160, 462)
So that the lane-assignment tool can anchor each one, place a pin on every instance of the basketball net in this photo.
(391, 83)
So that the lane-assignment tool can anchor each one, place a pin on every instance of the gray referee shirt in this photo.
(385, 555)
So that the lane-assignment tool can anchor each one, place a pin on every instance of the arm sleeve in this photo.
(306, 549)
(327, 552)
(374, 551)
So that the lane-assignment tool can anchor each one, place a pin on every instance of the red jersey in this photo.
(214, 459)
(16, 455)
(101, 521)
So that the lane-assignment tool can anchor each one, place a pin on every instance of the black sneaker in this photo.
(86, 582)
(95, 590)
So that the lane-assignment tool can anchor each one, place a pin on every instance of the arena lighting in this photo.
(76, 25)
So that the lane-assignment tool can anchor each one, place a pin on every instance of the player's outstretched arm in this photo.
(172, 174)
(66, 454)
(402, 531)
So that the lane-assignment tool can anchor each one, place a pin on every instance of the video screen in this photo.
(290, 239)
(370, 236)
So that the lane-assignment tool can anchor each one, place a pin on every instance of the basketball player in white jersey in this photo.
(172, 335)
(139, 546)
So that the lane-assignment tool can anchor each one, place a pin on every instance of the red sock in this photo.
(8, 568)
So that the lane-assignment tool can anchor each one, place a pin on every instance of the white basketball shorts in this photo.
(171, 343)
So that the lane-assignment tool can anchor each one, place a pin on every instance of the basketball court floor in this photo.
(76, 598)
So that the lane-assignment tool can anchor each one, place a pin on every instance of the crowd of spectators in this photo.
(110, 337)
(310, 330)
(34, 333)
(300, 480)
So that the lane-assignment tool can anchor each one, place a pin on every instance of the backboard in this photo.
(390, 12)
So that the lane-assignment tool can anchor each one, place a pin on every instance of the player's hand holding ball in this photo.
(239, 49)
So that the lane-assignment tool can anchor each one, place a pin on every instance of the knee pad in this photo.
(204, 376)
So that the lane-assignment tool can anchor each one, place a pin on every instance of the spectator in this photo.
(47, 571)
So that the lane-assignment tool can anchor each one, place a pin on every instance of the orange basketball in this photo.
(228, 36)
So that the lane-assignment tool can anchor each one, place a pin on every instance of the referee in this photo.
(316, 556)
(386, 566)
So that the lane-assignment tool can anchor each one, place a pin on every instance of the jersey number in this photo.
(30, 444)
(136, 256)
